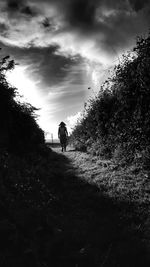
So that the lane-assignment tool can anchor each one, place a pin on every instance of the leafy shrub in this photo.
(117, 121)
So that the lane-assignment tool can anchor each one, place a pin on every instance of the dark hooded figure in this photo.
(62, 135)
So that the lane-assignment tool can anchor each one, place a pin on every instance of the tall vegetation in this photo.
(117, 121)
(19, 130)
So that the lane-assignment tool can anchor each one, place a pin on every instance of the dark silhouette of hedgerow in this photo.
(19, 130)
(118, 119)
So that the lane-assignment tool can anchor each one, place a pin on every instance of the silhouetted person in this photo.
(63, 135)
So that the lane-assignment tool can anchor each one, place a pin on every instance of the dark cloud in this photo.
(13, 5)
(46, 23)
(45, 64)
(16, 6)
(108, 23)
(28, 11)
(82, 13)
(138, 4)
(111, 26)
(3, 29)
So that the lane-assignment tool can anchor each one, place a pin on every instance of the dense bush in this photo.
(19, 130)
(117, 121)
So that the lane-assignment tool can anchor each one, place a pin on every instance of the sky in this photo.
(63, 47)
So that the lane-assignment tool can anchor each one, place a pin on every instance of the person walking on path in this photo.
(63, 135)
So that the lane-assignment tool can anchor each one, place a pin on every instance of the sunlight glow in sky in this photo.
(26, 87)
(63, 47)
(30, 94)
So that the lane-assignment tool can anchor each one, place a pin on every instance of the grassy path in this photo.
(129, 183)
(72, 210)
(97, 228)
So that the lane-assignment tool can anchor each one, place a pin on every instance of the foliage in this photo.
(19, 130)
(119, 117)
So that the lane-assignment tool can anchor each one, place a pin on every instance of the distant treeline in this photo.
(116, 123)
(19, 130)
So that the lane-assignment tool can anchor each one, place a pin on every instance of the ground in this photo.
(104, 212)
(72, 210)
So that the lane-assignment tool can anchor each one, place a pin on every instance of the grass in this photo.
(125, 183)
(60, 210)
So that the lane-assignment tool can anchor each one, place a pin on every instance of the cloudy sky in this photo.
(62, 47)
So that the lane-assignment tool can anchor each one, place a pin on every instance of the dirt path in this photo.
(96, 228)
